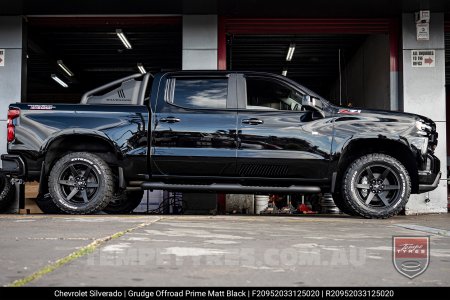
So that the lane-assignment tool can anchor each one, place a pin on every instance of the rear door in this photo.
(195, 126)
(277, 138)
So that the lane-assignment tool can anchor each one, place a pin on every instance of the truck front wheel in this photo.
(81, 183)
(376, 186)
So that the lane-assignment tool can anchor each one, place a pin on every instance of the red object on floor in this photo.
(303, 208)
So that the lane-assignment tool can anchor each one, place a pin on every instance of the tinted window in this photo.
(200, 93)
(268, 95)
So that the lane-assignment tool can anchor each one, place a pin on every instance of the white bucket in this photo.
(261, 202)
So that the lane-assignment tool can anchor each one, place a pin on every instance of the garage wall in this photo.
(366, 77)
(11, 78)
(424, 94)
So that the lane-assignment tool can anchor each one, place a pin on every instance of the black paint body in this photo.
(165, 142)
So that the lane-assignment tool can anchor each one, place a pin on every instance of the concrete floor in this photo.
(218, 250)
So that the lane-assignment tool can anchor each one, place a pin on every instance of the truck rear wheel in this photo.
(376, 186)
(7, 192)
(124, 202)
(81, 183)
(47, 205)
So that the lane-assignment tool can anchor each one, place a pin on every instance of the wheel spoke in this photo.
(67, 182)
(382, 177)
(85, 197)
(74, 171)
(362, 186)
(87, 172)
(391, 187)
(369, 173)
(384, 199)
(91, 185)
(72, 193)
(370, 197)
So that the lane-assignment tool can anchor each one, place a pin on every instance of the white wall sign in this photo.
(423, 31)
(423, 58)
(2, 57)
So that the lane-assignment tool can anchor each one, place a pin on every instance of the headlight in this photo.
(420, 143)
(423, 127)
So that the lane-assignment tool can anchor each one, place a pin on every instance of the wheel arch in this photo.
(395, 148)
(79, 142)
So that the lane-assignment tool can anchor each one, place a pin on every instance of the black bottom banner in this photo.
(7, 293)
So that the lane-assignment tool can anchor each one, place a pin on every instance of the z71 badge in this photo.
(349, 111)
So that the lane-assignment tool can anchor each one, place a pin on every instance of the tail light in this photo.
(13, 113)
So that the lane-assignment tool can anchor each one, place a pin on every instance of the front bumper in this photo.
(429, 187)
(429, 178)
(12, 165)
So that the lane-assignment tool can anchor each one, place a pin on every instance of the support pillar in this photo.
(424, 94)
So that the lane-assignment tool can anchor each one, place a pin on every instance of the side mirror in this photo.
(317, 114)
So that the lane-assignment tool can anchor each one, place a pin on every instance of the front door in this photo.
(195, 127)
(277, 138)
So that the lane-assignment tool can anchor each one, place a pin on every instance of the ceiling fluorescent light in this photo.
(290, 52)
(284, 72)
(141, 68)
(123, 38)
(58, 80)
(64, 67)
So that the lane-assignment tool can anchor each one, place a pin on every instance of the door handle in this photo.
(252, 121)
(170, 120)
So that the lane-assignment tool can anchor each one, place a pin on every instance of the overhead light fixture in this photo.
(284, 72)
(58, 80)
(64, 67)
(123, 38)
(141, 68)
(290, 52)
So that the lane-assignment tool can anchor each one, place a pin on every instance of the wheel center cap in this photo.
(376, 186)
(80, 183)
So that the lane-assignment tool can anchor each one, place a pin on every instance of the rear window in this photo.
(199, 93)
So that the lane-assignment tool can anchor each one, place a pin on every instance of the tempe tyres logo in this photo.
(411, 254)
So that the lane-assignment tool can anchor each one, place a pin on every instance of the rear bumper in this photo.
(12, 165)
(429, 179)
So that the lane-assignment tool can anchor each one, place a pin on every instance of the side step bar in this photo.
(229, 188)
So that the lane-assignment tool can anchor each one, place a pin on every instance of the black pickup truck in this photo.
(218, 131)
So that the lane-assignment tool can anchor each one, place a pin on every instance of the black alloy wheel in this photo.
(376, 186)
(81, 183)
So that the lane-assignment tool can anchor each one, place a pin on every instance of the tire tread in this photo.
(367, 159)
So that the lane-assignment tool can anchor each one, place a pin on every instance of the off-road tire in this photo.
(75, 193)
(46, 204)
(124, 202)
(7, 192)
(396, 184)
(342, 205)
